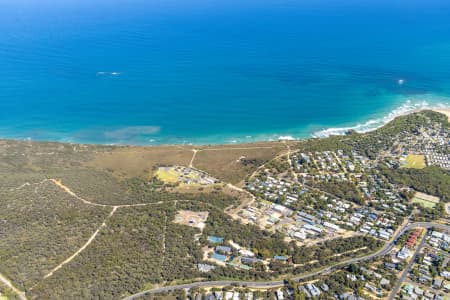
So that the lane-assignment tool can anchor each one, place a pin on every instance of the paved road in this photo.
(406, 270)
(272, 284)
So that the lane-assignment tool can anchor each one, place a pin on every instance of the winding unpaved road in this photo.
(191, 163)
(59, 184)
(89, 241)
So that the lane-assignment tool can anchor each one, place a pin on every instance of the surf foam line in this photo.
(408, 107)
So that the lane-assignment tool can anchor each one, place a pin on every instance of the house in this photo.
(447, 287)
(373, 289)
(246, 252)
(390, 266)
(307, 218)
(346, 295)
(279, 294)
(409, 289)
(325, 287)
(445, 274)
(429, 295)
(280, 257)
(384, 282)
(424, 279)
(301, 235)
(352, 277)
(209, 297)
(315, 292)
(404, 253)
(301, 288)
(249, 260)
(331, 226)
(282, 210)
(313, 228)
(223, 249)
(437, 283)
(218, 295)
(205, 268)
(418, 291)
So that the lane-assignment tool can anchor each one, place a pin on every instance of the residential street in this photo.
(406, 270)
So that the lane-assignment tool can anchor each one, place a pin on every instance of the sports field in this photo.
(414, 161)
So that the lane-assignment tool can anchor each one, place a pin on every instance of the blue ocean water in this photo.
(198, 71)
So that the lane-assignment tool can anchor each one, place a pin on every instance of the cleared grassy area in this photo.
(414, 161)
(128, 162)
(424, 203)
(167, 175)
(425, 200)
(234, 164)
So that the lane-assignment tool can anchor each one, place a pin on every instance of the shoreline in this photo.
(373, 124)
(276, 138)
(445, 111)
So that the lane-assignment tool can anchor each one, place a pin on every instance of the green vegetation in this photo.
(7, 294)
(343, 190)
(40, 227)
(430, 180)
(427, 213)
(128, 248)
(331, 143)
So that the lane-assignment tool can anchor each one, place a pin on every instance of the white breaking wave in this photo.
(286, 138)
(409, 106)
(108, 73)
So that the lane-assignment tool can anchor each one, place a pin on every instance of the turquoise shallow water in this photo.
(154, 72)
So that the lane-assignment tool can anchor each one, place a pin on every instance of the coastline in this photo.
(275, 138)
(373, 124)
(289, 135)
